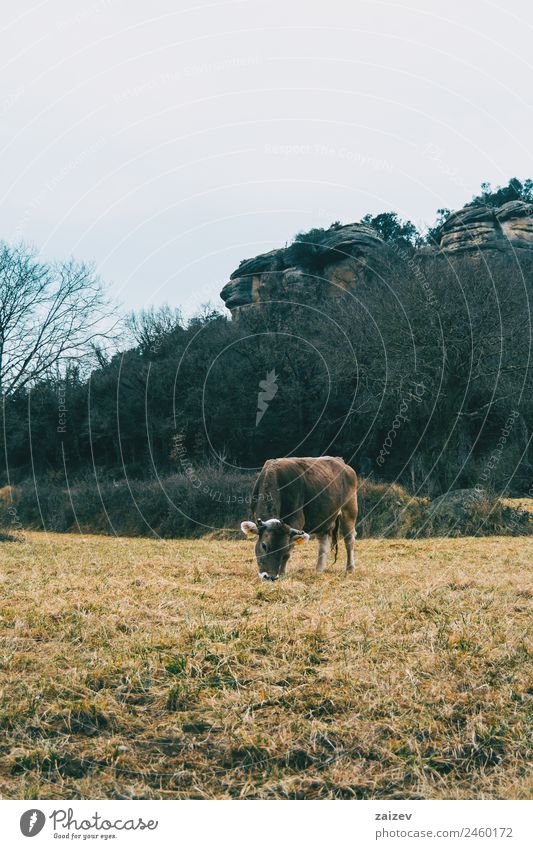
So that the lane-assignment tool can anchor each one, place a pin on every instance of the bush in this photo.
(179, 505)
(210, 501)
(466, 512)
(308, 251)
(387, 510)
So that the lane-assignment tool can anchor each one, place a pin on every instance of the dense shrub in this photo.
(387, 510)
(212, 501)
(472, 513)
(174, 506)
(309, 252)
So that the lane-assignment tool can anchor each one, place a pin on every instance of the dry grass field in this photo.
(147, 669)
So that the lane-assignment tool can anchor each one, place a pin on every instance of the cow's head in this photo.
(274, 543)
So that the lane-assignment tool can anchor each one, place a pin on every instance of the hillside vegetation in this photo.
(210, 500)
(420, 374)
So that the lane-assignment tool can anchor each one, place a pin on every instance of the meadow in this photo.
(142, 668)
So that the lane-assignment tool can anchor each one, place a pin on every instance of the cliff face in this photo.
(481, 228)
(346, 254)
(342, 258)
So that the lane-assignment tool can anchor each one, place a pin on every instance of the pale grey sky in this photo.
(168, 140)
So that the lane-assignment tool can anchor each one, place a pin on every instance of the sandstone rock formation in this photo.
(483, 228)
(345, 255)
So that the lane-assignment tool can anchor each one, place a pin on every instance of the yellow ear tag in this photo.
(299, 540)
(251, 535)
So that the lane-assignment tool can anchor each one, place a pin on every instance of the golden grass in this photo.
(146, 669)
(523, 503)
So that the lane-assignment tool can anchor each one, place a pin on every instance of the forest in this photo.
(424, 380)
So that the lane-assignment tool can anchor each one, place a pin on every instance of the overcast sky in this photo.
(167, 140)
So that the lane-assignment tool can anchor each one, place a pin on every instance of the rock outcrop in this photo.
(483, 228)
(344, 255)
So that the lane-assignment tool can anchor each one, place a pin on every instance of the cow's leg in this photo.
(324, 547)
(349, 533)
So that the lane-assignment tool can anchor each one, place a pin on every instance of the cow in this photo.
(296, 497)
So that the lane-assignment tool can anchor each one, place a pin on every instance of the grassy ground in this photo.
(523, 503)
(164, 669)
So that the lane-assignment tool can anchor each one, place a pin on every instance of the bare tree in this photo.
(49, 314)
(151, 327)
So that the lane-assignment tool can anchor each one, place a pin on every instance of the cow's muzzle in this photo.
(266, 577)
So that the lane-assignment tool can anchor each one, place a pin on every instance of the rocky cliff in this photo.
(345, 254)
(482, 228)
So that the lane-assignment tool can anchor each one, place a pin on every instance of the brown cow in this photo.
(298, 496)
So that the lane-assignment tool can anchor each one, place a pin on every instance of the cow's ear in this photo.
(249, 529)
(299, 537)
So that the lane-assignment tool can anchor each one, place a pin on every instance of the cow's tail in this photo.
(335, 536)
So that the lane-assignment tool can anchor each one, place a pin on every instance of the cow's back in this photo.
(305, 492)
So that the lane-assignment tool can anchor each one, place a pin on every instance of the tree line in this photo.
(423, 376)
